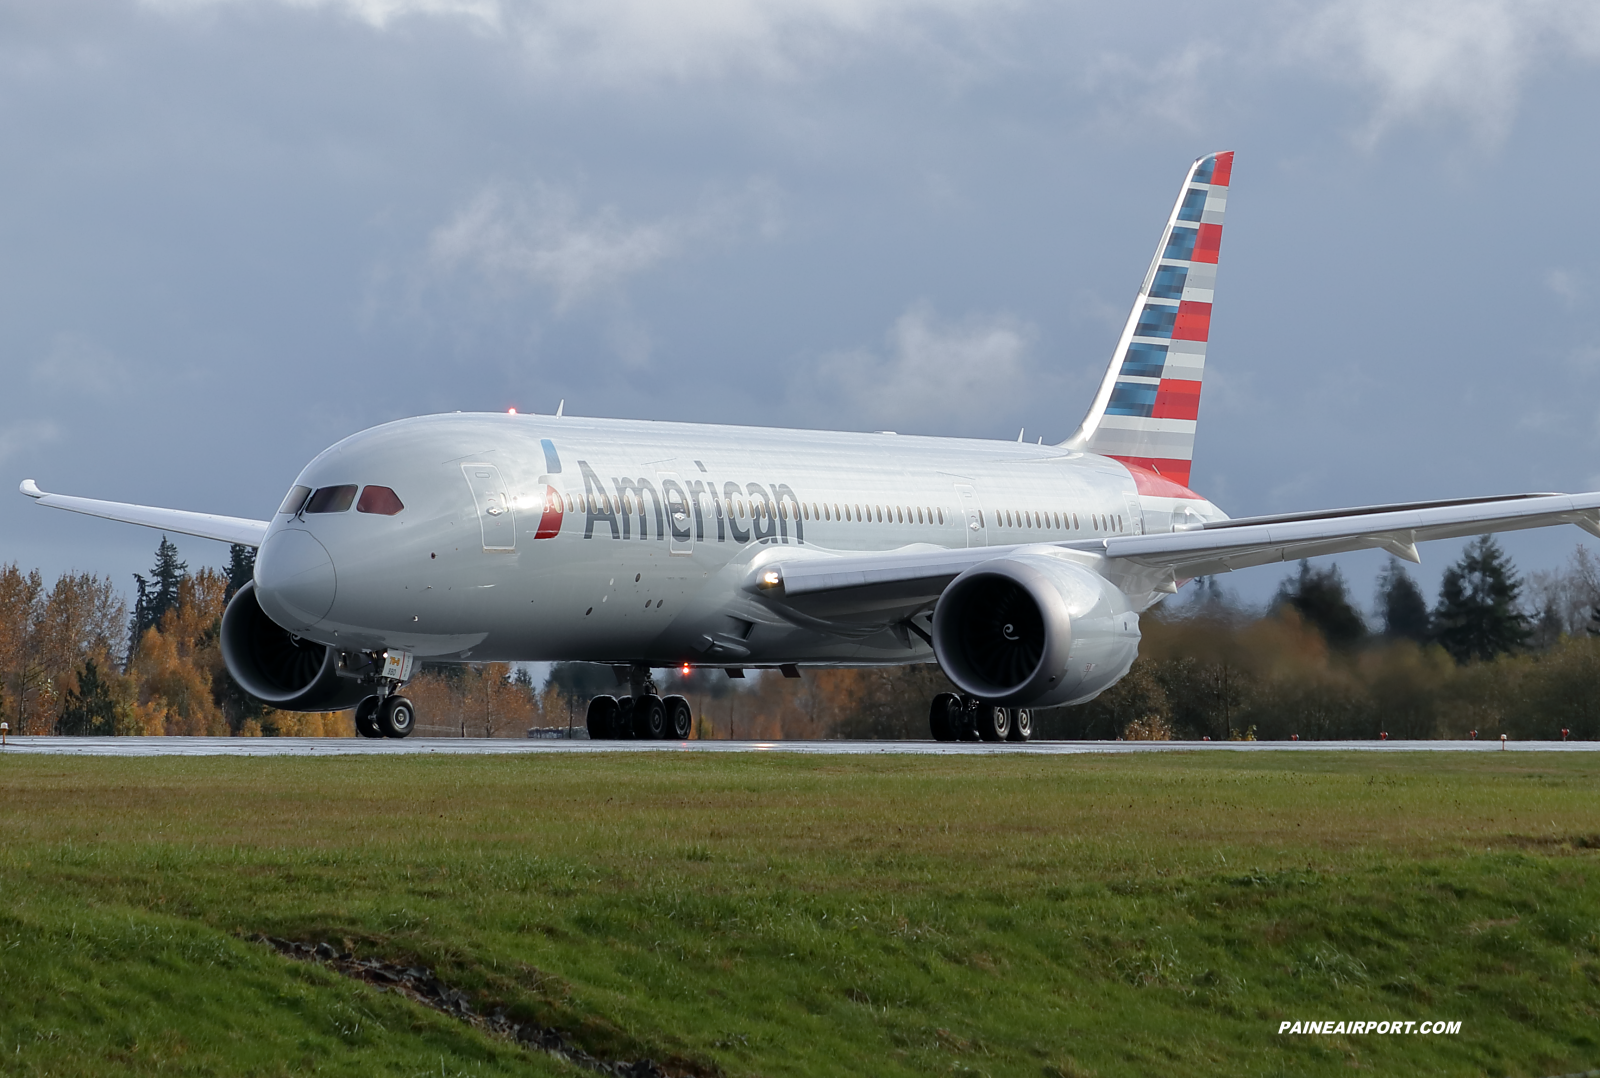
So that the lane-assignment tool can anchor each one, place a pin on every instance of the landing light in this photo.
(511, 411)
(771, 578)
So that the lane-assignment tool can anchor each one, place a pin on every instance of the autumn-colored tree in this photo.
(175, 661)
(45, 636)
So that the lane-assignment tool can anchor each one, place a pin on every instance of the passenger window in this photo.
(293, 500)
(941, 516)
(332, 499)
(380, 500)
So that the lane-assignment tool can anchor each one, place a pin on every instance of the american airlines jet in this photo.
(1020, 569)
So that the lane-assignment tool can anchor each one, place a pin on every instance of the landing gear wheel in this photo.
(994, 723)
(602, 717)
(649, 718)
(367, 717)
(622, 726)
(944, 715)
(1021, 725)
(968, 718)
(396, 717)
(680, 720)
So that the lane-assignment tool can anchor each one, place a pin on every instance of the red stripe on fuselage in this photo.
(1160, 478)
(550, 521)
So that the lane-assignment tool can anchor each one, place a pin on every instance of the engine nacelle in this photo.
(279, 668)
(1034, 629)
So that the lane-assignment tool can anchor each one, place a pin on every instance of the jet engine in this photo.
(1032, 630)
(279, 668)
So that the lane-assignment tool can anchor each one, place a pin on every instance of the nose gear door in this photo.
(495, 518)
(976, 527)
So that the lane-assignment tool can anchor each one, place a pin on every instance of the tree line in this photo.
(1493, 654)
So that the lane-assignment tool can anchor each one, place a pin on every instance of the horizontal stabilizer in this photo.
(205, 525)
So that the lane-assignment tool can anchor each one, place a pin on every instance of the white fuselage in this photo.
(551, 538)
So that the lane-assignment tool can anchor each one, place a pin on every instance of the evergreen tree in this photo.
(158, 594)
(1320, 597)
(1477, 616)
(1404, 610)
(89, 710)
(241, 567)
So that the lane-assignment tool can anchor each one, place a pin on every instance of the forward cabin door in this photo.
(977, 528)
(495, 518)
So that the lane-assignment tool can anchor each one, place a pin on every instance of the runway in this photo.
(477, 746)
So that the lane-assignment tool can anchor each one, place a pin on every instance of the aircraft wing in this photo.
(206, 525)
(855, 587)
(1226, 545)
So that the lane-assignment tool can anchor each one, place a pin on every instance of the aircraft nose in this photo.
(295, 581)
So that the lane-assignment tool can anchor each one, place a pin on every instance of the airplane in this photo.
(1021, 569)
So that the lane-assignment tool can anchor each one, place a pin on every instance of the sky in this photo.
(234, 231)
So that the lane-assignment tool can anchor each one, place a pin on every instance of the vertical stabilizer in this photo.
(1145, 411)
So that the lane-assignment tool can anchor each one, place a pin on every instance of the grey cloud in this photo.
(932, 373)
(18, 438)
(1463, 60)
(543, 237)
(78, 363)
(674, 39)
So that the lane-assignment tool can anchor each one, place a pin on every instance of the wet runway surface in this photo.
(337, 746)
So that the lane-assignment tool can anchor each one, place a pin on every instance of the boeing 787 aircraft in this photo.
(1021, 569)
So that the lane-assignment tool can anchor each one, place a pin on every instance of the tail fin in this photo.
(1145, 411)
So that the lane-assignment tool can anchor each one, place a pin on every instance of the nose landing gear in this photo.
(966, 718)
(386, 713)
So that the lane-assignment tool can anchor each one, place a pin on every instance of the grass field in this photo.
(783, 915)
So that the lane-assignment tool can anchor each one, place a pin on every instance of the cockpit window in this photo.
(294, 499)
(332, 499)
(379, 500)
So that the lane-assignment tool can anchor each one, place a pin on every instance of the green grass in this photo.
(785, 915)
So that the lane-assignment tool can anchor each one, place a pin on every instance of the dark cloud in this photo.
(233, 232)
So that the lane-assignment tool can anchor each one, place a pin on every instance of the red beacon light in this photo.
(511, 411)
(685, 670)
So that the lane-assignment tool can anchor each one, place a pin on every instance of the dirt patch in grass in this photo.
(422, 986)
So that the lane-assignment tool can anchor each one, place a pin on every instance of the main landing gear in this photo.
(966, 718)
(388, 716)
(642, 715)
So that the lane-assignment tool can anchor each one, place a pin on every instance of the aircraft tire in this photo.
(622, 725)
(942, 716)
(649, 719)
(602, 717)
(680, 719)
(966, 719)
(396, 717)
(367, 717)
(994, 723)
(1021, 725)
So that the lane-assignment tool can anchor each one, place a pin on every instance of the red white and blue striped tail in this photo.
(1145, 412)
